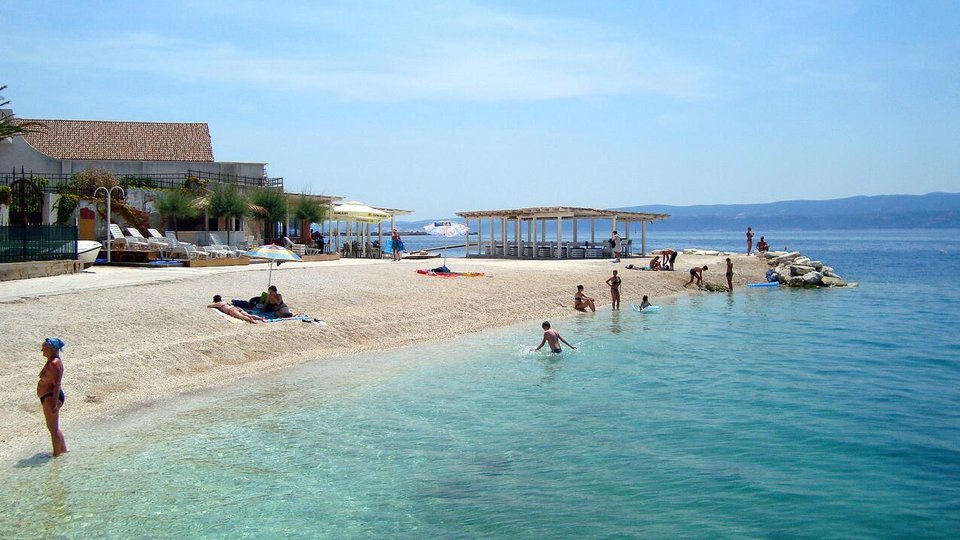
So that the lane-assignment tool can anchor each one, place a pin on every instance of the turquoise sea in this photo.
(763, 413)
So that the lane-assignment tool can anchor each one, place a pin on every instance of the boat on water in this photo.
(87, 251)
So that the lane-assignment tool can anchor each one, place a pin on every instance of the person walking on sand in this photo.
(552, 337)
(749, 240)
(614, 283)
(395, 244)
(729, 273)
(696, 274)
(617, 245)
(50, 392)
(581, 301)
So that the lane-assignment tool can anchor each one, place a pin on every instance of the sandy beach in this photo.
(135, 336)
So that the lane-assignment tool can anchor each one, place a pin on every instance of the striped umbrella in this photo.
(273, 253)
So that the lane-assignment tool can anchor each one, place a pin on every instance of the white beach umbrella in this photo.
(446, 228)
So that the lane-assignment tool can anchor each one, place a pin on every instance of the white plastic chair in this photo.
(127, 242)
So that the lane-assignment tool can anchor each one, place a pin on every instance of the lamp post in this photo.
(108, 193)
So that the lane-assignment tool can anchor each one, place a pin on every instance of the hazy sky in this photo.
(454, 105)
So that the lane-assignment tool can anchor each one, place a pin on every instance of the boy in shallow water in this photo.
(552, 337)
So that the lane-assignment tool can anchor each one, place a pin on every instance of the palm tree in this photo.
(270, 206)
(227, 202)
(308, 211)
(10, 127)
(175, 204)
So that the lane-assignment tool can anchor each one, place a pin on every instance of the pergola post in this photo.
(559, 235)
(643, 239)
(493, 240)
(503, 235)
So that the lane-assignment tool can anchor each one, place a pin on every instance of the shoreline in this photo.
(139, 336)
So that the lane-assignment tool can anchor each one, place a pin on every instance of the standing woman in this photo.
(614, 283)
(395, 244)
(50, 392)
(749, 240)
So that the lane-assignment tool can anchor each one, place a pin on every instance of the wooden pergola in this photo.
(528, 242)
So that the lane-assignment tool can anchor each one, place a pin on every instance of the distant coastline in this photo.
(930, 211)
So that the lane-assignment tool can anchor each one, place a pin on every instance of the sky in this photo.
(448, 106)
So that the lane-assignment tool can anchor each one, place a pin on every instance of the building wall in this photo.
(16, 153)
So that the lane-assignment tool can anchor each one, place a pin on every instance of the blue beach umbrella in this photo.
(273, 253)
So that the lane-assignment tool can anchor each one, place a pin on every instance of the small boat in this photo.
(422, 254)
(87, 251)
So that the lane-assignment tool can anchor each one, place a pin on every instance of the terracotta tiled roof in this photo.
(135, 141)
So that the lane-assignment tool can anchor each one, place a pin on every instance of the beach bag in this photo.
(611, 242)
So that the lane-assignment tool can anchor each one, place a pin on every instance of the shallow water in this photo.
(826, 413)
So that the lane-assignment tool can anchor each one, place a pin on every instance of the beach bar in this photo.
(523, 233)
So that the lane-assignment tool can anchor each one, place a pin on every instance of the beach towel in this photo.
(272, 317)
(448, 274)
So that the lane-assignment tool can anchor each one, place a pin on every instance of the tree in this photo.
(11, 127)
(175, 204)
(270, 206)
(227, 202)
(308, 211)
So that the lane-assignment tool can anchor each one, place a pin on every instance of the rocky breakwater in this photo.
(795, 270)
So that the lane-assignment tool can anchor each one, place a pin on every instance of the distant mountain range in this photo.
(930, 211)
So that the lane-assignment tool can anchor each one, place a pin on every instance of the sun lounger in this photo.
(299, 249)
(217, 244)
(126, 242)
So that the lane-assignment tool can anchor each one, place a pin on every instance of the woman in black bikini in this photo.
(614, 283)
(581, 301)
(50, 392)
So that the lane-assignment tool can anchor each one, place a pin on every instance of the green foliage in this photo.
(175, 204)
(195, 185)
(65, 206)
(6, 195)
(308, 210)
(226, 202)
(270, 206)
(143, 182)
(11, 127)
(86, 182)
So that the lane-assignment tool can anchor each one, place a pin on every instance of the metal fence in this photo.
(19, 243)
(61, 182)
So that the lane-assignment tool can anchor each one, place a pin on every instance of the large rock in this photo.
(800, 270)
(805, 261)
(812, 278)
(787, 258)
(828, 281)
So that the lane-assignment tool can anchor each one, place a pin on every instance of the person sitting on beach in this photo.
(274, 302)
(233, 311)
(581, 301)
(655, 263)
(762, 246)
(552, 337)
(696, 274)
(645, 303)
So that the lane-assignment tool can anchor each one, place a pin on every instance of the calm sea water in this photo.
(765, 413)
